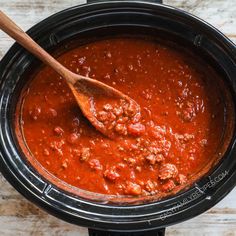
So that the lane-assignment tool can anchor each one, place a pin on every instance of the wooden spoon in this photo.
(85, 90)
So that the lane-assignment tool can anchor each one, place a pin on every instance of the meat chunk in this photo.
(102, 116)
(116, 116)
(184, 138)
(203, 142)
(111, 174)
(157, 131)
(168, 171)
(131, 161)
(85, 154)
(95, 164)
(151, 158)
(168, 186)
(181, 179)
(107, 107)
(133, 189)
(159, 157)
(57, 147)
(189, 113)
(121, 129)
(118, 111)
(129, 109)
(150, 186)
(136, 129)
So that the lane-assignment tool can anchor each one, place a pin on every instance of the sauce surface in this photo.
(176, 136)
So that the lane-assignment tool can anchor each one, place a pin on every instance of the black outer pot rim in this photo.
(197, 208)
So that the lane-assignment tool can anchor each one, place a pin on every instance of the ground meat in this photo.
(129, 108)
(184, 138)
(120, 166)
(159, 157)
(151, 158)
(108, 107)
(203, 142)
(111, 174)
(57, 147)
(118, 111)
(85, 154)
(102, 116)
(76, 152)
(133, 189)
(167, 171)
(131, 161)
(136, 129)
(168, 186)
(120, 116)
(157, 131)
(95, 164)
(150, 186)
(122, 120)
(189, 112)
(164, 145)
(181, 179)
(153, 149)
(121, 129)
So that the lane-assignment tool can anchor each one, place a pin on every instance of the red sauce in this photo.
(176, 136)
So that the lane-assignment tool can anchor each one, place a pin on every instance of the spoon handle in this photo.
(14, 31)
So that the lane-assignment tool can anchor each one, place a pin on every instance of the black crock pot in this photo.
(108, 18)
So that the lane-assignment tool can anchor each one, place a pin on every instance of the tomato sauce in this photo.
(177, 134)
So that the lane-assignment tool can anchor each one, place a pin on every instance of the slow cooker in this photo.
(94, 20)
